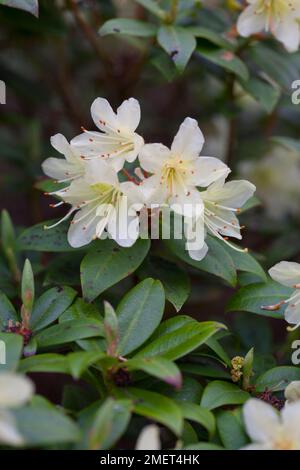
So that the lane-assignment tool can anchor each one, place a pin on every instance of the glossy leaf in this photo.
(252, 297)
(219, 393)
(178, 43)
(107, 263)
(50, 306)
(139, 313)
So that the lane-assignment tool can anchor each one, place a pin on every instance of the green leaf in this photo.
(217, 261)
(45, 425)
(50, 306)
(79, 361)
(7, 311)
(109, 423)
(277, 378)
(156, 407)
(178, 42)
(190, 391)
(128, 26)
(107, 263)
(245, 262)
(153, 7)
(199, 415)
(7, 231)
(11, 346)
(44, 363)
(139, 313)
(216, 347)
(69, 331)
(31, 6)
(211, 36)
(37, 238)
(175, 344)
(158, 367)
(231, 429)
(225, 59)
(219, 393)
(204, 371)
(280, 67)
(27, 287)
(265, 93)
(175, 281)
(252, 297)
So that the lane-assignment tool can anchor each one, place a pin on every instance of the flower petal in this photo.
(292, 312)
(286, 273)
(15, 390)
(188, 141)
(99, 171)
(291, 417)
(188, 204)
(261, 421)
(81, 232)
(233, 194)
(104, 116)
(149, 438)
(288, 32)
(153, 156)
(9, 433)
(251, 22)
(129, 114)
(60, 169)
(208, 170)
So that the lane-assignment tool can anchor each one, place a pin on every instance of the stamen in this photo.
(73, 209)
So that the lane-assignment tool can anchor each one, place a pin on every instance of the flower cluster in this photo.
(280, 17)
(192, 186)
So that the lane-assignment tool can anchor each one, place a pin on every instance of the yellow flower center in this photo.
(275, 10)
(174, 174)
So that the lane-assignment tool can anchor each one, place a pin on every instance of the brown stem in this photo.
(89, 33)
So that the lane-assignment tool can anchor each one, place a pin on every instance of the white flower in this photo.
(292, 391)
(177, 172)
(149, 438)
(288, 274)
(118, 142)
(222, 201)
(280, 17)
(270, 430)
(102, 204)
(15, 391)
(64, 169)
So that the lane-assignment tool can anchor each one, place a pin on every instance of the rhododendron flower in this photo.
(280, 17)
(118, 142)
(15, 391)
(222, 201)
(103, 204)
(288, 274)
(270, 430)
(64, 169)
(177, 172)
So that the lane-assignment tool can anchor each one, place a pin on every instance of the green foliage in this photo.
(97, 315)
